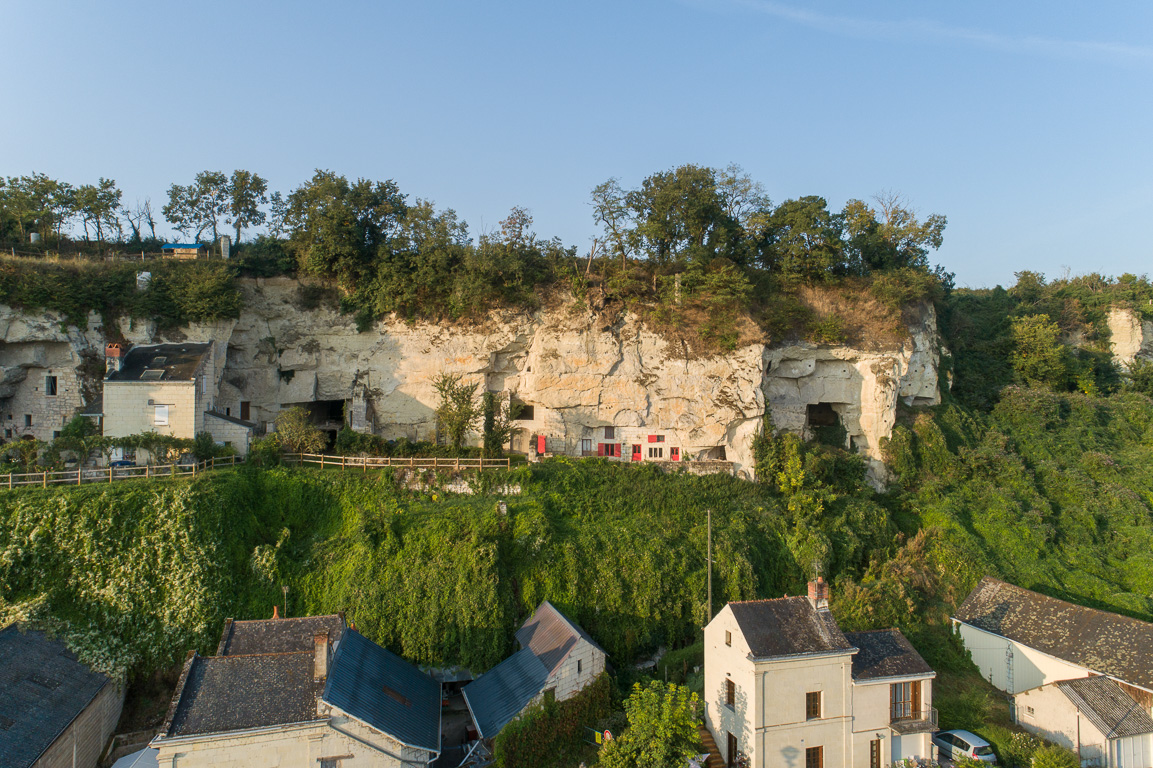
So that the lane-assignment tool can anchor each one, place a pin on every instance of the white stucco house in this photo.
(1036, 648)
(786, 687)
(1091, 716)
(557, 660)
(300, 693)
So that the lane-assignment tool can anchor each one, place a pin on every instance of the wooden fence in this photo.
(83, 475)
(366, 463)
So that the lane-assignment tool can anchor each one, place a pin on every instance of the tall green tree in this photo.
(199, 206)
(458, 410)
(662, 731)
(611, 210)
(246, 193)
(98, 207)
(804, 240)
(337, 229)
(890, 236)
(680, 216)
(1038, 357)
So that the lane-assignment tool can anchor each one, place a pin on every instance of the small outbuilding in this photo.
(54, 710)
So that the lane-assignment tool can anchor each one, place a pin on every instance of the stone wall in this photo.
(579, 372)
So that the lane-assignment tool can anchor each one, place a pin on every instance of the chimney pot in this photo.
(276, 611)
(320, 657)
(819, 593)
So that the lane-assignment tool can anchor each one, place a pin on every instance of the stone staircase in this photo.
(715, 760)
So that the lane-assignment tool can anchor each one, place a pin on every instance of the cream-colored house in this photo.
(786, 687)
(557, 659)
(300, 693)
(1093, 717)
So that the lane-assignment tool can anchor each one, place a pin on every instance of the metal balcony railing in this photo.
(904, 712)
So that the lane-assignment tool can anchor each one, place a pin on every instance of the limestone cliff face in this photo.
(579, 375)
(1129, 335)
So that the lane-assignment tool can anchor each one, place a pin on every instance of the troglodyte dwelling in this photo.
(300, 693)
(784, 686)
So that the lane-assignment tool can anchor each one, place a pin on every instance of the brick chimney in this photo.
(114, 356)
(320, 657)
(819, 594)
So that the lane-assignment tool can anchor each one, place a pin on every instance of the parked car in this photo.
(954, 744)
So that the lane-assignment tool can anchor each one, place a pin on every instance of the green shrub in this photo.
(547, 733)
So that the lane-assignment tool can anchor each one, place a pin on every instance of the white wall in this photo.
(723, 662)
(292, 747)
(1031, 668)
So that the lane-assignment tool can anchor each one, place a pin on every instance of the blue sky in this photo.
(1029, 124)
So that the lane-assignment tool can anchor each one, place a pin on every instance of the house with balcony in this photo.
(784, 686)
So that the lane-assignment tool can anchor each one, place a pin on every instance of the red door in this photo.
(540, 445)
(675, 454)
(636, 453)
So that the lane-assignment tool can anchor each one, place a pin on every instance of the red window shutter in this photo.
(540, 446)
(600, 449)
(652, 438)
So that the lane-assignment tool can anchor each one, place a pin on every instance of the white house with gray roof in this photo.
(785, 687)
(1093, 717)
(557, 659)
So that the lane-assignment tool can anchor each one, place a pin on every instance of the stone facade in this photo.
(580, 667)
(82, 742)
(228, 432)
(174, 408)
(40, 390)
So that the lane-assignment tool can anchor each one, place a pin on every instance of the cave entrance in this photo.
(325, 415)
(824, 424)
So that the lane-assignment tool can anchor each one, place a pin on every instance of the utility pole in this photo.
(709, 557)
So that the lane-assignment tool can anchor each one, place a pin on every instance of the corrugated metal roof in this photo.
(497, 696)
(787, 626)
(42, 690)
(1113, 711)
(551, 635)
(1098, 640)
(378, 687)
(885, 653)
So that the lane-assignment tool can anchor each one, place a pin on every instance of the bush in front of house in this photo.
(546, 732)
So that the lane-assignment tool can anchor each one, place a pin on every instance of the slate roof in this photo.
(497, 696)
(885, 653)
(229, 693)
(277, 635)
(787, 626)
(1098, 640)
(551, 635)
(232, 419)
(179, 364)
(378, 687)
(1107, 706)
(43, 687)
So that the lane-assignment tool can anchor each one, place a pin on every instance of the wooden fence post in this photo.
(45, 478)
(78, 475)
(110, 475)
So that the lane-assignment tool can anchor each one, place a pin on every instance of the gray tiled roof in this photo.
(378, 687)
(277, 635)
(885, 653)
(1113, 711)
(497, 696)
(787, 626)
(42, 690)
(229, 693)
(1098, 640)
(179, 364)
(551, 635)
